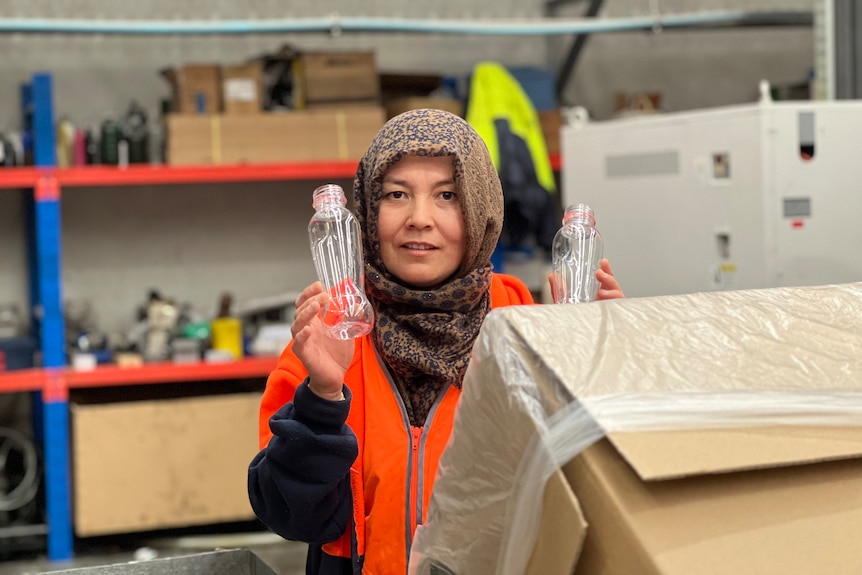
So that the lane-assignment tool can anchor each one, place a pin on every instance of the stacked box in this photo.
(326, 77)
(213, 89)
(157, 464)
(338, 133)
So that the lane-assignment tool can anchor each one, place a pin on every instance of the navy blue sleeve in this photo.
(299, 484)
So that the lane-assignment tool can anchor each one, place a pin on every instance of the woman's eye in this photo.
(448, 196)
(395, 195)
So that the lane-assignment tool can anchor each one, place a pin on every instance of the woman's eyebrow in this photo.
(395, 181)
(406, 184)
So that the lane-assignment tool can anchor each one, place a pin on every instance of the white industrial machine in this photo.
(739, 197)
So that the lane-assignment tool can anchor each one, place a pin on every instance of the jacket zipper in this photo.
(420, 434)
(414, 504)
(416, 461)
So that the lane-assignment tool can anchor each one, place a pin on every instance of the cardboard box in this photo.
(551, 121)
(704, 433)
(335, 77)
(397, 106)
(144, 465)
(242, 87)
(341, 133)
(394, 85)
(196, 89)
(637, 104)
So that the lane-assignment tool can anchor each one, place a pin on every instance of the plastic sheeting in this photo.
(546, 382)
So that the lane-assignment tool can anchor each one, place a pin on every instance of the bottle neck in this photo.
(579, 214)
(328, 196)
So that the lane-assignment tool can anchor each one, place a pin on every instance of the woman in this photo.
(351, 432)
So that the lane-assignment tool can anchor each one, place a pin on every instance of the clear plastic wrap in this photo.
(546, 382)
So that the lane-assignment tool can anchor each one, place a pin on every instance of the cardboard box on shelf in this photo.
(331, 133)
(196, 89)
(724, 443)
(637, 103)
(335, 77)
(157, 464)
(403, 92)
(241, 88)
(395, 85)
(551, 121)
(397, 106)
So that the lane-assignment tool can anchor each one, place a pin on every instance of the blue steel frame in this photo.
(46, 292)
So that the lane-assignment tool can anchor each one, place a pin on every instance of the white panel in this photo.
(825, 247)
(663, 233)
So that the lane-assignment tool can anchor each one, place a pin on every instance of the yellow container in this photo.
(227, 335)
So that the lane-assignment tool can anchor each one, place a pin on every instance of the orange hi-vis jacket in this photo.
(392, 478)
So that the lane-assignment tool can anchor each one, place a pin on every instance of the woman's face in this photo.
(420, 225)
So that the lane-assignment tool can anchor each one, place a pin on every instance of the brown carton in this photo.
(196, 89)
(242, 88)
(157, 464)
(335, 77)
(337, 133)
(395, 85)
(551, 121)
(703, 433)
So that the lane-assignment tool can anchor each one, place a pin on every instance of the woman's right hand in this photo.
(325, 358)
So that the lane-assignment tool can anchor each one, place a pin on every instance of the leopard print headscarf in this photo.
(425, 336)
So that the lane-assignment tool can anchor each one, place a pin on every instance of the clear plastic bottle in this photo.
(337, 252)
(577, 253)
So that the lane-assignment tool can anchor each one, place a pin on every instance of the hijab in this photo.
(425, 336)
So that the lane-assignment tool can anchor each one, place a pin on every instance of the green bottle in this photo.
(110, 142)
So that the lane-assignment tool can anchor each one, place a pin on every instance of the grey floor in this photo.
(283, 557)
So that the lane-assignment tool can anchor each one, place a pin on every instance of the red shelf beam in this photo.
(111, 375)
(22, 380)
(140, 175)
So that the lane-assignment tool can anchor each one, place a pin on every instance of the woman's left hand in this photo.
(610, 287)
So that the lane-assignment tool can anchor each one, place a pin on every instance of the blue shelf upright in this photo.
(46, 292)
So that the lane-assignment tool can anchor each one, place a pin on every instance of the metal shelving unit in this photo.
(52, 382)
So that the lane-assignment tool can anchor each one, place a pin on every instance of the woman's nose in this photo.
(421, 216)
